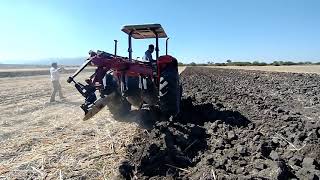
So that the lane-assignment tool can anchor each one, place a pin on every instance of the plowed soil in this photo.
(234, 124)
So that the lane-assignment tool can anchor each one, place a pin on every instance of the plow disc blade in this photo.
(95, 108)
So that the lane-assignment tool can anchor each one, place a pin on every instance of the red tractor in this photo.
(124, 82)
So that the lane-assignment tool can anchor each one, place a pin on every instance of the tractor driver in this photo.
(148, 57)
(148, 54)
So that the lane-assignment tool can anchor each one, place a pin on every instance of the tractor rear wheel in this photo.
(169, 91)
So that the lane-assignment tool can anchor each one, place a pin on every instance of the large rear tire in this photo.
(169, 91)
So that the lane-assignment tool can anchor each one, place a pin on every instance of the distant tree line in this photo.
(247, 63)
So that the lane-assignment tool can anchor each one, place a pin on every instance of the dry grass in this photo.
(294, 69)
(41, 140)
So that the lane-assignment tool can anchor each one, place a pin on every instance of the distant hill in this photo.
(44, 62)
(61, 61)
(21, 66)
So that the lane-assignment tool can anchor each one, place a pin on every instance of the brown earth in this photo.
(293, 68)
(234, 124)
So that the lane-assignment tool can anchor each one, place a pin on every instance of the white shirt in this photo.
(55, 74)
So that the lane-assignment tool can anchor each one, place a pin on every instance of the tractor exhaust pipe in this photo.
(167, 46)
(130, 45)
(115, 47)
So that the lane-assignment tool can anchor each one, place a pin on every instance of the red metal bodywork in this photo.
(163, 61)
(122, 66)
(132, 68)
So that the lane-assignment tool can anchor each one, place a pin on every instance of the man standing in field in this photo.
(55, 77)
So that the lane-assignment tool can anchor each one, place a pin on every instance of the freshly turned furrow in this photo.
(235, 124)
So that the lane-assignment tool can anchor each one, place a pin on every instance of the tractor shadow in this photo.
(144, 118)
(197, 114)
(201, 113)
(172, 145)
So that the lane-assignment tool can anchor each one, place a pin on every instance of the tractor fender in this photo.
(164, 61)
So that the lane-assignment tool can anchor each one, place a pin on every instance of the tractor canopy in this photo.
(144, 31)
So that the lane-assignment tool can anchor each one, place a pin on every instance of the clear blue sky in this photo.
(199, 31)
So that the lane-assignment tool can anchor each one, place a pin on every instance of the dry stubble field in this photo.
(50, 140)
